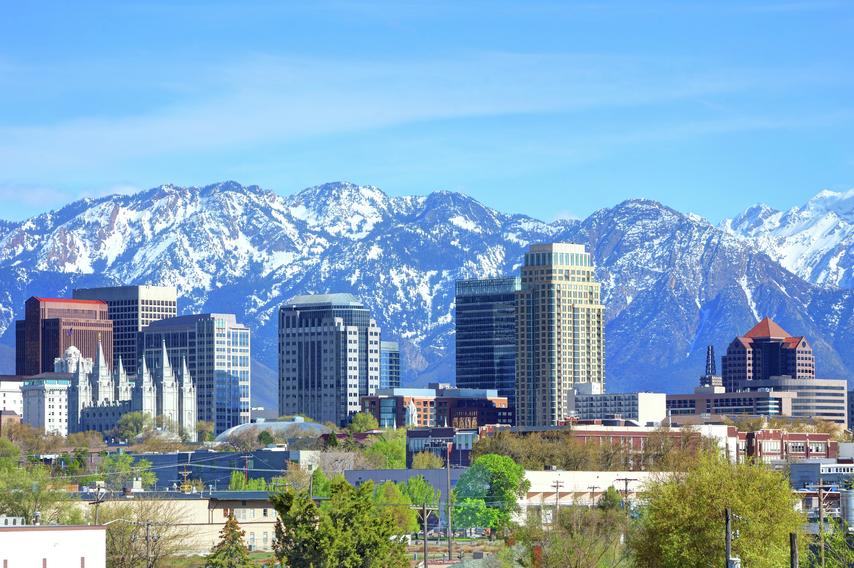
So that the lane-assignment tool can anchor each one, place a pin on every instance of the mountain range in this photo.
(673, 283)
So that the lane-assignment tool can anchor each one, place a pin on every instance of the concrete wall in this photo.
(53, 546)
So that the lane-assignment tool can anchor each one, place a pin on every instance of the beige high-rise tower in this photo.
(560, 331)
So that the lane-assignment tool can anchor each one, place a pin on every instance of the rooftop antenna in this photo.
(711, 368)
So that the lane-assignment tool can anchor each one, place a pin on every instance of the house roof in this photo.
(767, 328)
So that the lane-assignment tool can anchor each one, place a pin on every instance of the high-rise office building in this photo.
(485, 336)
(217, 353)
(52, 325)
(560, 331)
(389, 364)
(766, 351)
(131, 308)
(329, 356)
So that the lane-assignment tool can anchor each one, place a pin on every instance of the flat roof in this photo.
(70, 300)
(338, 298)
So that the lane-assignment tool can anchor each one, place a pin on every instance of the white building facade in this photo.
(45, 400)
(588, 402)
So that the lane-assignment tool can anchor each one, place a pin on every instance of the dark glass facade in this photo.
(389, 365)
(486, 335)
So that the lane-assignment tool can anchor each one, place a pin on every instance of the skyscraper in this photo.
(52, 325)
(329, 356)
(389, 364)
(217, 353)
(131, 308)
(485, 336)
(560, 331)
(766, 351)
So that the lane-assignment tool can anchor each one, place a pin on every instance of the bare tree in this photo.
(143, 533)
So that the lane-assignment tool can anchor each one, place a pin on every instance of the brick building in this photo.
(52, 325)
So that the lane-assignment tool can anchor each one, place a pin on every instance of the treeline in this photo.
(663, 450)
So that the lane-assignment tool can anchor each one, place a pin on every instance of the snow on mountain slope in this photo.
(815, 241)
(672, 282)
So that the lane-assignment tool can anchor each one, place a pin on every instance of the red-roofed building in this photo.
(766, 351)
(51, 325)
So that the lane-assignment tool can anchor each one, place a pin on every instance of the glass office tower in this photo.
(389, 364)
(486, 335)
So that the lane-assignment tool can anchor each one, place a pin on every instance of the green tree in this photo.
(682, 522)
(320, 485)
(474, 513)
(265, 438)
(610, 499)
(9, 453)
(427, 460)
(351, 532)
(391, 499)
(838, 546)
(231, 550)
(119, 471)
(239, 482)
(421, 492)
(27, 490)
(388, 450)
(498, 481)
(204, 430)
(362, 422)
(132, 424)
(86, 440)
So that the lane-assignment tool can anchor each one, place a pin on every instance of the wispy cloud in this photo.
(272, 99)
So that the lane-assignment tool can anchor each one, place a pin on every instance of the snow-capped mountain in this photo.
(673, 283)
(815, 241)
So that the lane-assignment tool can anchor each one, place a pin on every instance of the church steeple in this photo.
(102, 382)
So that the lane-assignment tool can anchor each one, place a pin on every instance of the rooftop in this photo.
(346, 299)
(70, 300)
(767, 328)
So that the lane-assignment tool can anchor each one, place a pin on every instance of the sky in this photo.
(552, 109)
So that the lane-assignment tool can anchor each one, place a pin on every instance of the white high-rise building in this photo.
(560, 331)
(329, 357)
(216, 349)
(132, 308)
(11, 397)
(46, 403)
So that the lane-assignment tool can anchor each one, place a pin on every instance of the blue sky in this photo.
(545, 108)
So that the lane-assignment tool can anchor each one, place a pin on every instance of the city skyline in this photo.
(747, 102)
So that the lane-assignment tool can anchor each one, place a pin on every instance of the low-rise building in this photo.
(202, 515)
(438, 405)
(8, 418)
(436, 442)
(825, 399)
(774, 445)
(587, 402)
(53, 546)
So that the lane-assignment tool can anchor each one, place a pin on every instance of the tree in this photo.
(320, 486)
(682, 522)
(265, 438)
(132, 424)
(838, 546)
(33, 441)
(231, 550)
(427, 460)
(9, 453)
(352, 531)
(362, 422)
(86, 440)
(396, 503)
(420, 492)
(475, 513)
(387, 451)
(498, 481)
(244, 440)
(143, 533)
(204, 431)
(27, 490)
(119, 470)
(239, 482)
(580, 537)
(610, 499)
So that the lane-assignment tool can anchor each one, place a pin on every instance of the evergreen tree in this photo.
(231, 550)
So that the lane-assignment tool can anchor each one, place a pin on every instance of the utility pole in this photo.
(148, 560)
(625, 481)
(728, 523)
(793, 550)
(592, 489)
(246, 467)
(448, 502)
(821, 517)
(557, 484)
(424, 517)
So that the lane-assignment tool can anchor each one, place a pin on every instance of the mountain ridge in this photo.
(671, 280)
